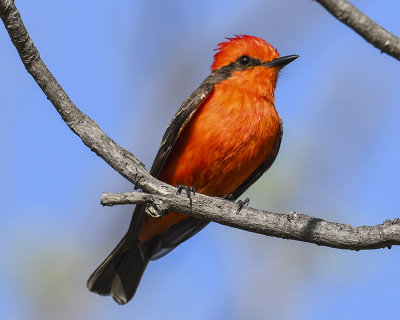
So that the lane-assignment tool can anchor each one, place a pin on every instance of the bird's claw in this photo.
(187, 189)
(241, 204)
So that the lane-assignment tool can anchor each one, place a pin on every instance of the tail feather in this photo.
(119, 275)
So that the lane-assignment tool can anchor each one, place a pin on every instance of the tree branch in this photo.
(364, 26)
(292, 225)
(162, 197)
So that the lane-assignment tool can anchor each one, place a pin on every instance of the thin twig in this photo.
(364, 26)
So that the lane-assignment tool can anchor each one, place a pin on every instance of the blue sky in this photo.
(129, 65)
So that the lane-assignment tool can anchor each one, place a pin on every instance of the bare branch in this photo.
(293, 225)
(162, 197)
(364, 26)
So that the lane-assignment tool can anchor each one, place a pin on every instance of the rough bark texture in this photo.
(364, 26)
(161, 197)
(292, 225)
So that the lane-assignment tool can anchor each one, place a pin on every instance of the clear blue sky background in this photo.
(129, 65)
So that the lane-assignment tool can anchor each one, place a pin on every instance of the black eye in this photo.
(243, 60)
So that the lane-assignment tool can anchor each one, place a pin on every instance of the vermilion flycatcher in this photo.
(221, 140)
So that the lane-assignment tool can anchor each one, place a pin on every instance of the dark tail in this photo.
(119, 275)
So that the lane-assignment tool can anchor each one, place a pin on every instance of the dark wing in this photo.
(177, 234)
(178, 122)
(262, 168)
(183, 116)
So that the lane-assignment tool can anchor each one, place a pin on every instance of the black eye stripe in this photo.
(225, 72)
(246, 61)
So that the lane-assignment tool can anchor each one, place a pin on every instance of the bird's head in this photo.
(253, 62)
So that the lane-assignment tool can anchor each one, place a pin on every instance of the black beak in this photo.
(282, 61)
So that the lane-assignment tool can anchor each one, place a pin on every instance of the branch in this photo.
(364, 26)
(162, 197)
(293, 225)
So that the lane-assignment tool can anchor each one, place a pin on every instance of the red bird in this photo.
(221, 140)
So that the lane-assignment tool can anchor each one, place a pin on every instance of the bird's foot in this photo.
(241, 203)
(187, 189)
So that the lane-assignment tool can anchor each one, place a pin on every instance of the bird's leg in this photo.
(187, 189)
(241, 203)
